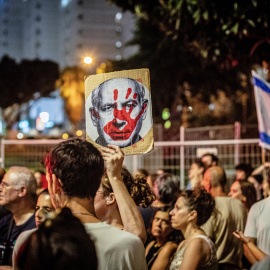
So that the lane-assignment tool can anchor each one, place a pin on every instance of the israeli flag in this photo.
(262, 98)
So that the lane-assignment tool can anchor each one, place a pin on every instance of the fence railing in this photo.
(175, 156)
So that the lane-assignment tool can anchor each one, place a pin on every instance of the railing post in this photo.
(237, 136)
(2, 153)
(182, 158)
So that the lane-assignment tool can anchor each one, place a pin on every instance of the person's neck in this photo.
(190, 231)
(114, 219)
(161, 240)
(218, 192)
(82, 208)
(22, 211)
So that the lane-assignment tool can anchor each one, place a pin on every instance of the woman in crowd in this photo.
(60, 243)
(165, 240)
(245, 192)
(105, 203)
(192, 209)
(43, 208)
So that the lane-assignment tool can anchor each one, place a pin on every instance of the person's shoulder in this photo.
(5, 221)
(260, 205)
(169, 247)
(264, 264)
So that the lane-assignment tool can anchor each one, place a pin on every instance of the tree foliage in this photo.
(224, 32)
(199, 52)
(71, 83)
(19, 82)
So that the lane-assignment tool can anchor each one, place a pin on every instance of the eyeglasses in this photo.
(5, 185)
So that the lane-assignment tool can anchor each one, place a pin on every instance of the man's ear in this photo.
(56, 184)
(94, 115)
(22, 191)
(145, 106)
(110, 199)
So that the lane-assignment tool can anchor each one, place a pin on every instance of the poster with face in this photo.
(118, 110)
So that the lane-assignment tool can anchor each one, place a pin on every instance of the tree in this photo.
(223, 32)
(211, 46)
(19, 83)
(71, 85)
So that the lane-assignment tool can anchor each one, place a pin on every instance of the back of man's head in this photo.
(22, 176)
(214, 178)
(79, 166)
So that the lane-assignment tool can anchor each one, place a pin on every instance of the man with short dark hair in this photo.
(74, 171)
(208, 160)
(231, 216)
(18, 195)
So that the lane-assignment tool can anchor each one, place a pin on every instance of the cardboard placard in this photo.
(118, 110)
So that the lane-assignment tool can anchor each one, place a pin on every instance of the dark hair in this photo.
(244, 167)
(213, 157)
(199, 163)
(137, 187)
(143, 172)
(201, 201)
(249, 191)
(44, 192)
(168, 187)
(61, 243)
(79, 165)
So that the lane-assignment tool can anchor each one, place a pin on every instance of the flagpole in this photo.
(264, 169)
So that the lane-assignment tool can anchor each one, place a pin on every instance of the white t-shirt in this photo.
(258, 224)
(116, 249)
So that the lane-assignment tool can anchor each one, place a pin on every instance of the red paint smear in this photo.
(135, 95)
(128, 93)
(115, 94)
(122, 117)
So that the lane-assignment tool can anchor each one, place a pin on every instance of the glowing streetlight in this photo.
(88, 60)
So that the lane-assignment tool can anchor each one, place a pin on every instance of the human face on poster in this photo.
(118, 108)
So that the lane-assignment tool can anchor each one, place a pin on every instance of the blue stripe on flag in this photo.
(261, 84)
(265, 137)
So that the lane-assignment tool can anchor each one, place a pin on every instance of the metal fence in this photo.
(175, 156)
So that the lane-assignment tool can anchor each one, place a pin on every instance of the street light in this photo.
(88, 60)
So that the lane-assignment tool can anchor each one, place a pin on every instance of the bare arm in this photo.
(259, 170)
(249, 242)
(164, 256)
(129, 212)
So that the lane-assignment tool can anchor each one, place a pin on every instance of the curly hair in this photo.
(137, 187)
(201, 201)
(79, 165)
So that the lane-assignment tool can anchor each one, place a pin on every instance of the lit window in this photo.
(118, 44)
(118, 17)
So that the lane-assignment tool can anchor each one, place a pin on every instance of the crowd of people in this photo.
(86, 211)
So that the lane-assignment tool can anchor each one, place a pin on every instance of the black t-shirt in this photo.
(16, 231)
